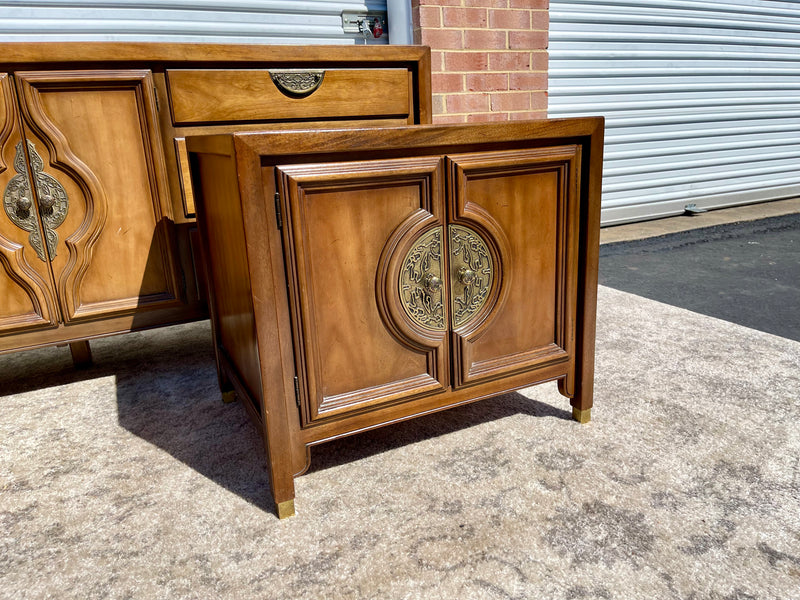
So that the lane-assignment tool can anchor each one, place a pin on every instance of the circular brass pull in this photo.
(431, 282)
(23, 206)
(47, 202)
(465, 275)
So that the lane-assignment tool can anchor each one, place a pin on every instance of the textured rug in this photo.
(132, 480)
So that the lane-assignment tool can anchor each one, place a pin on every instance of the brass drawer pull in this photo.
(297, 83)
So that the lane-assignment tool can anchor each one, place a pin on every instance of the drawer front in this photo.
(216, 96)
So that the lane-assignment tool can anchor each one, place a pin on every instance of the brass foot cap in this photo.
(285, 509)
(582, 416)
(228, 397)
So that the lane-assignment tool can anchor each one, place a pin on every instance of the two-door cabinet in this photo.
(97, 227)
(364, 277)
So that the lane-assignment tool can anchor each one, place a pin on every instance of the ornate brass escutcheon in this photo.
(471, 267)
(53, 202)
(297, 83)
(421, 281)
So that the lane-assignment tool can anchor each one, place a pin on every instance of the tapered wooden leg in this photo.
(81, 354)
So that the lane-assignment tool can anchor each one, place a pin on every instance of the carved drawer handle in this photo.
(297, 83)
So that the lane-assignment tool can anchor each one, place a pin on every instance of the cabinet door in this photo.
(351, 229)
(513, 213)
(26, 297)
(96, 134)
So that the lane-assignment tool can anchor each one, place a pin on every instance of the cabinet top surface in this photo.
(126, 52)
(458, 137)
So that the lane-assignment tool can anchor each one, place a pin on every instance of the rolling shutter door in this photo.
(221, 21)
(701, 98)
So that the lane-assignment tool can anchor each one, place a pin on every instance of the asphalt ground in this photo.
(746, 272)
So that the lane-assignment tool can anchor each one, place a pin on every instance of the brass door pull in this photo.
(431, 282)
(465, 275)
(53, 202)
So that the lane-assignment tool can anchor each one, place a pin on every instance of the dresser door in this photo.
(360, 236)
(98, 160)
(27, 300)
(513, 247)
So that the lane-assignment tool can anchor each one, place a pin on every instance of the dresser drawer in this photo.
(216, 96)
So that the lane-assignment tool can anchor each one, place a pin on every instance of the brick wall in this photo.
(488, 57)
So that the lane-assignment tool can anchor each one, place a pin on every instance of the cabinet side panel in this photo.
(227, 266)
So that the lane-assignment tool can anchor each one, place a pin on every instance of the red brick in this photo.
(527, 114)
(447, 82)
(540, 19)
(539, 61)
(440, 3)
(487, 3)
(467, 103)
(437, 103)
(531, 4)
(486, 117)
(464, 17)
(509, 61)
(448, 119)
(430, 16)
(487, 82)
(511, 101)
(484, 39)
(509, 19)
(527, 81)
(529, 40)
(539, 100)
(442, 38)
(466, 61)
(437, 61)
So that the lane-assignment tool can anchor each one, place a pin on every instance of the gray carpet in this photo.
(132, 480)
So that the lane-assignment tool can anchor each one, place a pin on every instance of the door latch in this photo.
(368, 24)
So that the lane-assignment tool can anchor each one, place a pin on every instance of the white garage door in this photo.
(222, 21)
(701, 98)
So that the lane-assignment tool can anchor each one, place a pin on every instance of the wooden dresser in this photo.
(362, 277)
(97, 232)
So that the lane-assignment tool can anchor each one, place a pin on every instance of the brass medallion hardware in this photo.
(53, 202)
(421, 281)
(297, 83)
(471, 265)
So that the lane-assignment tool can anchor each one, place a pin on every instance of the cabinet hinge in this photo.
(278, 216)
(297, 391)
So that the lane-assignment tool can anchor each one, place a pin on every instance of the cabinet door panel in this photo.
(525, 202)
(348, 222)
(96, 132)
(26, 298)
